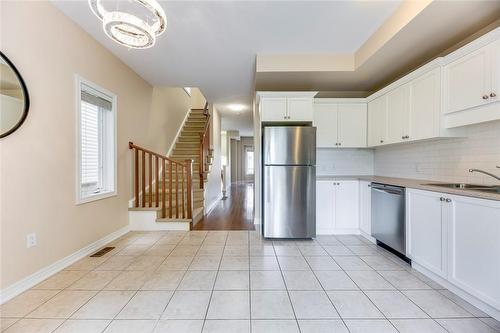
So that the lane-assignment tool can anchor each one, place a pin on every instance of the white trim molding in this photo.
(46, 272)
(179, 130)
(79, 81)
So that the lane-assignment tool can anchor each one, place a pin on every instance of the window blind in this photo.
(97, 156)
(90, 150)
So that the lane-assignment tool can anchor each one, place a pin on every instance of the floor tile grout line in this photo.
(345, 272)
(287, 291)
(329, 299)
(281, 271)
(213, 287)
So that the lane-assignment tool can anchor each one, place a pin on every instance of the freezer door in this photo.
(289, 202)
(284, 145)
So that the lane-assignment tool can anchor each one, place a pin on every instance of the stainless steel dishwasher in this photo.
(388, 216)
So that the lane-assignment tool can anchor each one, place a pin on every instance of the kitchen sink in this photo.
(462, 186)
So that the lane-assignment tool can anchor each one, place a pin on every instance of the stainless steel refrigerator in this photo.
(289, 182)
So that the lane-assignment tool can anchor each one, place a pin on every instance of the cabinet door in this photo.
(425, 105)
(398, 114)
(377, 121)
(426, 230)
(495, 71)
(365, 207)
(325, 120)
(300, 108)
(352, 125)
(474, 247)
(325, 213)
(347, 205)
(273, 108)
(467, 81)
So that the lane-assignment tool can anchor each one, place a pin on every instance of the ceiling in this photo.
(429, 32)
(230, 49)
(213, 44)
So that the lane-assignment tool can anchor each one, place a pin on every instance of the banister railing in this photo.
(204, 146)
(151, 168)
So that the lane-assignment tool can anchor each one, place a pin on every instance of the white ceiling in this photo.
(212, 44)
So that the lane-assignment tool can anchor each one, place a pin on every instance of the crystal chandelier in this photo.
(128, 29)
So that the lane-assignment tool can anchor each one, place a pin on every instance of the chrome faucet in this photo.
(486, 173)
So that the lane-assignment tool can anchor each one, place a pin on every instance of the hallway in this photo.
(233, 213)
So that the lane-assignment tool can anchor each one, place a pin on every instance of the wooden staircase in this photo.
(171, 189)
(190, 145)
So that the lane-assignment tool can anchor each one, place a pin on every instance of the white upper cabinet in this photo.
(340, 123)
(325, 120)
(377, 121)
(352, 122)
(425, 104)
(398, 114)
(286, 106)
(472, 82)
(273, 109)
(300, 108)
(467, 81)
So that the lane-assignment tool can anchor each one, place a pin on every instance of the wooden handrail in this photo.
(156, 171)
(131, 145)
(204, 145)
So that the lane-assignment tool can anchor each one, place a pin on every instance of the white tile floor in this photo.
(235, 281)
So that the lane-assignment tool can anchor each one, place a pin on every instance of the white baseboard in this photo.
(370, 238)
(335, 231)
(209, 209)
(37, 277)
(486, 308)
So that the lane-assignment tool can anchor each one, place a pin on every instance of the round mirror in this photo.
(14, 100)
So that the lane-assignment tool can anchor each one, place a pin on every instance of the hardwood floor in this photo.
(233, 213)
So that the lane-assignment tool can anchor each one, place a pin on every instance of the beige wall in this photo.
(213, 189)
(37, 162)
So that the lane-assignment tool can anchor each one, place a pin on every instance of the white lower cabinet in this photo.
(474, 248)
(325, 206)
(365, 207)
(426, 230)
(457, 238)
(337, 207)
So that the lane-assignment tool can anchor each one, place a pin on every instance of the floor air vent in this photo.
(102, 251)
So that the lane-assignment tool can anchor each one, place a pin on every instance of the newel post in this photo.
(189, 185)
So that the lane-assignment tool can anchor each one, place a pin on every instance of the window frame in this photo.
(111, 192)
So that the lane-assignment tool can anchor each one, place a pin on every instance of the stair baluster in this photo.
(161, 163)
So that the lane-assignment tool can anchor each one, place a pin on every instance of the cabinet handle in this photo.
(403, 137)
(485, 97)
(381, 141)
(441, 199)
(407, 137)
(493, 94)
(340, 143)
(448, 200)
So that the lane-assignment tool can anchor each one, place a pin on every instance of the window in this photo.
(96, 109)
(249, 162)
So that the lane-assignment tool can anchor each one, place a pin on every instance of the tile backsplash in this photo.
(343, 162)
(445, 160)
